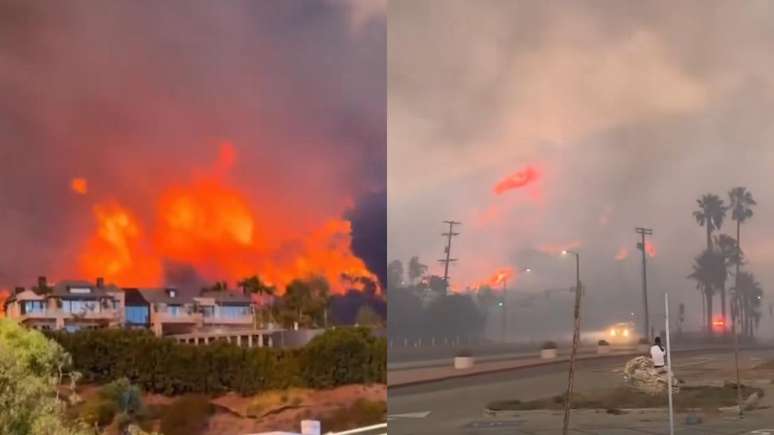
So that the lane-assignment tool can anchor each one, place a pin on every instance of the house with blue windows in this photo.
(68, 305)
(75, 305)
(168, 311)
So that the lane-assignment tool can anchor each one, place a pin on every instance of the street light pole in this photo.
(575, 339)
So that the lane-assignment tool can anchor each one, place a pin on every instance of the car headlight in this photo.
(626, 332)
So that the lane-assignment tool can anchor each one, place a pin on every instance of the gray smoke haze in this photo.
(136, 96)
(628, 110)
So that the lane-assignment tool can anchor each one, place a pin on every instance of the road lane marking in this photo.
(409, 415)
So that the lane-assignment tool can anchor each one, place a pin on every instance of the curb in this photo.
(562, 360)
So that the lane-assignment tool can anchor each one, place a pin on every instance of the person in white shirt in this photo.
(657, 354)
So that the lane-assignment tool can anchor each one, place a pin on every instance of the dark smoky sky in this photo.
(629, 110)
(133, 95)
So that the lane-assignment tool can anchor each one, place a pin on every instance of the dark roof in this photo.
(62, 289)
(162, 295)
(133, 297)
(227, 297)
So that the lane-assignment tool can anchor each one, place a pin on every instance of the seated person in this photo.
(657, 354)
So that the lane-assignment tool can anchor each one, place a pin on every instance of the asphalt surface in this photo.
(455, 406)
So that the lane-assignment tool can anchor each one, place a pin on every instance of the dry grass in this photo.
(625, 398)
(277, 400)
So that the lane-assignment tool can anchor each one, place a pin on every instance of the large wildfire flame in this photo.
(212, 226)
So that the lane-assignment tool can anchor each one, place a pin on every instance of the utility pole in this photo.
(641, 245)
(575, 340)
(447, 251)
(505, 309)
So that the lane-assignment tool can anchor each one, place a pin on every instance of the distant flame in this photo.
(650, 248)
(622, 254)
(501, 277)
(4, 295)
(79, 185)
(516, 180)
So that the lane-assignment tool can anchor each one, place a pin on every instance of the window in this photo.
(175, 310)
(33, 307)
(137, 315)
(234, 311)
(208, 311)
(79, 306)
(80, 290)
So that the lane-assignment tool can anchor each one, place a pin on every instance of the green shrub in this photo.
(100, 412)
(159, 365)
(341, 356)
(188, 415)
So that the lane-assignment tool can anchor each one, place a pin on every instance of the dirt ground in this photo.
(230, 419)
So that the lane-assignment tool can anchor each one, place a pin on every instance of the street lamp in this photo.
(575, 338)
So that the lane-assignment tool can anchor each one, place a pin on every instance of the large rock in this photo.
(640, 374)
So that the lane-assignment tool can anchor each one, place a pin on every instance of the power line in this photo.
(642, 245)
(447, 251)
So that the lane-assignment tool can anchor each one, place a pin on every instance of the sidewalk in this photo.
(420, 375)
(438, 370)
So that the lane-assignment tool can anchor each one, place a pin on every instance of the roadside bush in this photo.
(341, 356)
(464, 353)
(549, 345)
(603, 343)
(337, 357)
(643, 340)
(187, 415)
(99, 412)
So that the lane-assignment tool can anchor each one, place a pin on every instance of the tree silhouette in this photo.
(709, 272)
(750, 295)
(725, 245)
(254, 285)
(415, 269)
(395, 274)
(741, 203)
(710, 214)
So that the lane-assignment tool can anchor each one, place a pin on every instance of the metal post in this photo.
(669, 366)
(575, 338)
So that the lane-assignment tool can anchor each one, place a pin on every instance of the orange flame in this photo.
(79, 185)
(498, 279)
(622, 254)
(212, 226)
(4, 295)
(516, 180)
(117, 250)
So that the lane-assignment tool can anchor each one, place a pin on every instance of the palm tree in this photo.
(255, 286)
(741, 202)
(726, 246)
(415, 269)
(750, 295)
(710, 214)
(709, 272)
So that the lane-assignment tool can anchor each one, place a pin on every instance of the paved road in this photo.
(455, 406)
